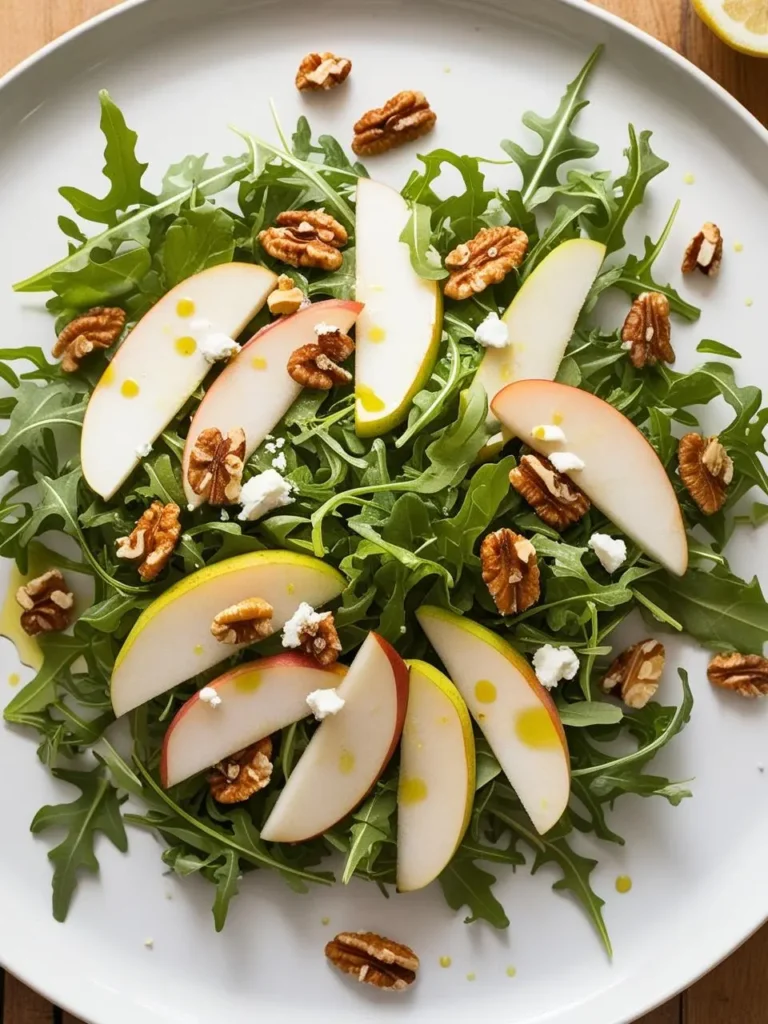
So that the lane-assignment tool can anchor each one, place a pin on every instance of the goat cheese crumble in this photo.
(565, 462)
(492, 332)
(216, 346)
(551, 664)
(325, 702)
(209, 696)
(263, 493)
(548, 432)
(611, 551)
(305, 615)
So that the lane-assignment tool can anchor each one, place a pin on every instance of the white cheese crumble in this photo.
(143, 450)
(262, 493)
(305, 615)
(324, 702)
(566, 462)
(551, 664)
(224, 516)
(548, 432)
(323, 328)
(611, 551)
(209, 696)
(280, 462)
(492, 332)
(216, 346)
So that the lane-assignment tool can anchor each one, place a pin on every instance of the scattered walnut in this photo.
(321, 641)
(322, 71)
(306, 238)
(240, 775)
(637, 671)
(286, 298)
(153, 539)
(244, 622)
(317, 365)
(100, 327)
(216, 465)
(47, 604)
(705, 251)
(745, 674)
(647, 330)
(484, 260)
(407, 116)
(374, 960)
(555, 498)
(706, 469)
(510, 571)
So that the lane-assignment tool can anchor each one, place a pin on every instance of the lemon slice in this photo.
(742, 24)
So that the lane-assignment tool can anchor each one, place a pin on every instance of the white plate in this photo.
(183, 72)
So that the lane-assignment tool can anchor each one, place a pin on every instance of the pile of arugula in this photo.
(400, 516)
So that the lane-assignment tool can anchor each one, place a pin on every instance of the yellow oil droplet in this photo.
(485, 691)
(557, 418)
(377, 287)
(259, 363)
(325, 920)
(505, 371)
(107, 377)
(443, 720)
(377, 335)
(248, 682)
(197, 649)
(346, 762)
(689, 178)
(185, 346)
(413, 791)
(14, 679)
(749, 302)
(471, 976)
(738, 247)
(446, 70)
(445, 961)
(623, 884)
(536, 729)
(511, 972)
(481, 717)
(129, 388)
(185, 307)
(291, 588)
(368, 398)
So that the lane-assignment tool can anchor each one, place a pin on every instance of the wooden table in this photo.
(736, 992)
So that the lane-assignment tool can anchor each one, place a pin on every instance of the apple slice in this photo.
(257, 699)
(349, 751)
(159, 365)
(172, 639)
(254, 391)
(515, 713)
(437, 777)
(398, 333)
(622, 474)
(541, 317)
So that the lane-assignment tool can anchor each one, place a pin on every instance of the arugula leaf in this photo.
(716, 348)
(341, 283)
(38, 409)
(97, 284)
(464, 884)
(417, 235)
(457, 217)
(371, 828)
(585, 713)
(226, 877)
(200, 239)
(59, 652)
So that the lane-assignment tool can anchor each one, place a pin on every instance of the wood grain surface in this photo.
(736, 992)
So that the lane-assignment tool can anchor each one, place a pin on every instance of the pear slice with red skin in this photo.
(622, 475)
(257, 699)
(350, 749)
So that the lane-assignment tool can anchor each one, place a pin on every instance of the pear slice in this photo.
(254, 391)
(542, 316)
(398, 333)
(257, 699)
(437, 777)
(515, 713)
(171, 640)
(160, 364)
(349, 751)
(622, 473)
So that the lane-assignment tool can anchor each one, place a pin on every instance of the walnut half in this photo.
(705, 251)
(46, 604)
(215, 468)
(153, 539)
(240, 775)
(510, 571)
(374, 960)
(555, 498)
(322, 71)
(318, 366)
(306, 238)
(647, 330)
(706, 470)
(745, 674)
(100, 328)
(407, 116)
(484, 260)
(321, 640)
(243, 623)
(637, 672)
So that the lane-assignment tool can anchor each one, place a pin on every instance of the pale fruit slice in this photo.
(349, 751)
(257, 699)
(399, 331)
(742, 24)
(254, 391)
(622, 473)
(437, 777)
(541, 317)
(515, 713)
(160, 364)
(172, 639)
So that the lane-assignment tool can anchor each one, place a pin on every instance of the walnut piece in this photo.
(647, 329)
(322, 71)
(243, 623)
(317, 365)
(705, 251)
(510, 571)
(745, 674)
(484, 260)
(46, 602)
(407, 116)
(306, 238)
(320, 640)
(240, 775)
(153, 539)
(637, 671)
(374, 960)
(286, 298)
(555, 498)
(100, 327)
(706, 470)
(216, 465)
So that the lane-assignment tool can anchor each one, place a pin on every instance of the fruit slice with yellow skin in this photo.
(437, 777)
(742, 24)
(515, 713)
